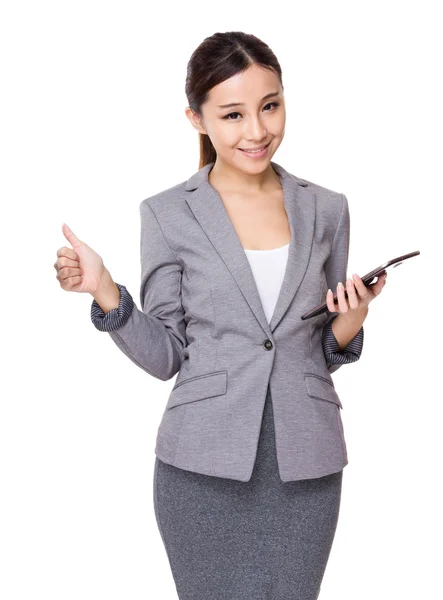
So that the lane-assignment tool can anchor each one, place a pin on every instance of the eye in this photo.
(276, 104)
(230, 114)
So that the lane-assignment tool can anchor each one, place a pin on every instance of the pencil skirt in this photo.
(262, 539)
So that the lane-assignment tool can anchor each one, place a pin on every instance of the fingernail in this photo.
(340, 283)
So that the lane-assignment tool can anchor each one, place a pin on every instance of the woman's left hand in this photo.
(359, 296)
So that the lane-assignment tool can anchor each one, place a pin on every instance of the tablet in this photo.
(367, 279)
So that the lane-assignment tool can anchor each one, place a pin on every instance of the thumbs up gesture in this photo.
(79, 269)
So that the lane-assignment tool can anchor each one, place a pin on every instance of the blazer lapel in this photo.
(300, 204)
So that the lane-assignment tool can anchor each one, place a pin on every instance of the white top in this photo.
(268, 268)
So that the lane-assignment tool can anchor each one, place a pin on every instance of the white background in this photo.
(93, 122)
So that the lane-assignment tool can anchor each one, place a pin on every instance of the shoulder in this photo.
(327, 200)
(166, 199)
(320, 190)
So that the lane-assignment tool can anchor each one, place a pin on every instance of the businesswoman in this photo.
(250, 451)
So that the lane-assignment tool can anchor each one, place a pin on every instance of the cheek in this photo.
(279, 126)
(224, 137)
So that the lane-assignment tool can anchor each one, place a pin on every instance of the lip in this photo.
(249, 149)
(260, 155)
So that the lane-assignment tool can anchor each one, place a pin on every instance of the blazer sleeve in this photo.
(154, 338)
(336, 270)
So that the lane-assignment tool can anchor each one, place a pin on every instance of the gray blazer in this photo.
(202, 318)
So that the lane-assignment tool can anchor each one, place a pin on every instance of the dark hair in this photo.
(216, 59)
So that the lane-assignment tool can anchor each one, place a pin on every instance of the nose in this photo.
(255, 131)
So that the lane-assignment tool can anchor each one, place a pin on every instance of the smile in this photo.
(256, 153)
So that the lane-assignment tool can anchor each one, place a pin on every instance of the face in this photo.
(256, 117)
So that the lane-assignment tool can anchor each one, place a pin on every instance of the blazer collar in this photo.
(300, 204)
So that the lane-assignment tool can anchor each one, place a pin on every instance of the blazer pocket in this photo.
(198, 387)
(320, 387)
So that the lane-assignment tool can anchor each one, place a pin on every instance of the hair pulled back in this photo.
(216, 59)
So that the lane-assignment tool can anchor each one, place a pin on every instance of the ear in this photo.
(195, 120)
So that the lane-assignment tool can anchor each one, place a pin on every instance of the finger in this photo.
(70, 235)
(362, 290)
(376, 288)
(68, 252)
(70, 282)
(68, 272)
(352, 294)
(330, 301)
(342, 302)
(65, 262)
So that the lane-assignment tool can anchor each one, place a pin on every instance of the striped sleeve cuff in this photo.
(333, 355)
(116, 317)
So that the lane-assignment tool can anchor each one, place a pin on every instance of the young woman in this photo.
(247, 483)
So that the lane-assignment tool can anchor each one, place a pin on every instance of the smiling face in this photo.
(255, 117)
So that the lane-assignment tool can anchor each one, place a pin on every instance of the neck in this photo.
(223, 175)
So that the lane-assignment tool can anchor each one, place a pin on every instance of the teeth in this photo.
(252, 151)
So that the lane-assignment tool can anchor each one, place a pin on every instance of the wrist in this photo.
(357, 315)
(107, 294)
(104, 283)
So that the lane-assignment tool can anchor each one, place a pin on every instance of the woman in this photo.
(243, 512)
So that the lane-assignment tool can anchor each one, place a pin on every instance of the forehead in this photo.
(249, 86)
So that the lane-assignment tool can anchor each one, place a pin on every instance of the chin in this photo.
(250, 164)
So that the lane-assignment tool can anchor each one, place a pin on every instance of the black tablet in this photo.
(367, 279)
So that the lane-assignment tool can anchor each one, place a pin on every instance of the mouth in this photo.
(254, 150)
(256, 153)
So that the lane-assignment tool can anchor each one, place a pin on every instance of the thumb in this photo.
(70, 236)
(376, 288)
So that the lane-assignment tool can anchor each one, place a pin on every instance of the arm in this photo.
(336, 270)
(154, 338)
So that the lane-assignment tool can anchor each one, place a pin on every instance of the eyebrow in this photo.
(271, 95)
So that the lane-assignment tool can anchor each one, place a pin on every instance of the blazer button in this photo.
(268, 344)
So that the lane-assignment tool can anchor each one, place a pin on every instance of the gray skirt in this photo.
(262, 539)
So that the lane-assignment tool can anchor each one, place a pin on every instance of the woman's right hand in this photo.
(79, 269)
